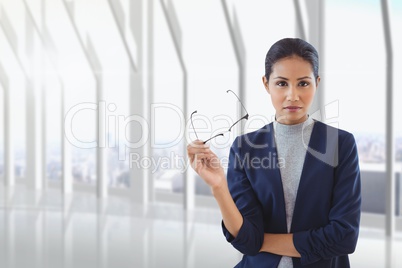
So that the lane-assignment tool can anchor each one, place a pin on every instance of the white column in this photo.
(102, 234)
(39, 239)
(101, 127)
(101, 150)
(9, 177)
(140, 179)
(315, 36)
(300, 25)
(33, 138)
(188, 240)
(9, 140)
(139, 185)
(148, 72)
(67, 232)
(10, 223)
(43, 130)
(66, 174)
(390, 132)
(34, 165)
(141, 238)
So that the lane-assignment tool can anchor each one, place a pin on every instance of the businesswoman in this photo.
(303, 211)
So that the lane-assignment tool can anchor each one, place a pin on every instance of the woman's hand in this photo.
(206, 164)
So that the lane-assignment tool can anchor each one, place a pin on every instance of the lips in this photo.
(292, 108)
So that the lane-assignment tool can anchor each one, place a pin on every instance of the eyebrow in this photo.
(284, 78)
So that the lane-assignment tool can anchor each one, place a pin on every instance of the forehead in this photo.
(292, 66)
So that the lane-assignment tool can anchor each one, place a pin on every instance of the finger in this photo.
(203, 156)
(195, 147)
(214, 162)
(200, 160)
(211, 153)
(197, 164)
(193, 150)
(191, 157)
(198, 144)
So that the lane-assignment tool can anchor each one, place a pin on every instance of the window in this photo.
(354, 76)
(167, 110)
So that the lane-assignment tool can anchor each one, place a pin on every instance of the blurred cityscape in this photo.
(167, 165)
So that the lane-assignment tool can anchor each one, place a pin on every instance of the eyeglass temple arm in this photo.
(221, 134)
(191, 119)
(244, 117)
(227, 91)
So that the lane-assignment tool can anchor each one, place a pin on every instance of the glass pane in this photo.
(257, 43)
(167, 110)
(13, 39)
(81, 100)
(354, 79)
(117, 88)
(84, 129)
(79, 88)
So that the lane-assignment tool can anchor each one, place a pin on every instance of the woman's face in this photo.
(292, 87)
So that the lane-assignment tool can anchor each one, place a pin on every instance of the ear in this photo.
(265, 82)
(317, 81)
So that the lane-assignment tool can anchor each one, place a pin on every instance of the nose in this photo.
(292, 94)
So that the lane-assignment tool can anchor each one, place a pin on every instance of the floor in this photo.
(45, 229)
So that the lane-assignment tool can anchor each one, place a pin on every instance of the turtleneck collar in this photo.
(283, 129)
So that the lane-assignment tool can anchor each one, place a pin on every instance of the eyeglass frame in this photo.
(230, 128)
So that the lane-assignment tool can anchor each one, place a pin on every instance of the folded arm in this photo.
(339, 236)
(280, 244)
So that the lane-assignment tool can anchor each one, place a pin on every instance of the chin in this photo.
(291, 118)
(299, 118)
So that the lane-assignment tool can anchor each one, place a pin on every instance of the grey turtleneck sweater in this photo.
(292, 142)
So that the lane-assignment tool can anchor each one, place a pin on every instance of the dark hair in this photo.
(288, 47)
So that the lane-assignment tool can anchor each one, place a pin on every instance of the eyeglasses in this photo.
(230, 129)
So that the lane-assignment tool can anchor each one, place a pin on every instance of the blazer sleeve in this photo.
(339, 236)
(251, 234)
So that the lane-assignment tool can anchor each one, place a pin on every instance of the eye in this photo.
(281, 84)
(304, 84)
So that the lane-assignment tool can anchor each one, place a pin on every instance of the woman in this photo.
(303, 210)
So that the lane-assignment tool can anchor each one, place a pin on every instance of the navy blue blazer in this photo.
(326, 217)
